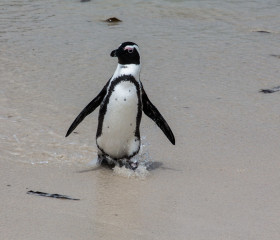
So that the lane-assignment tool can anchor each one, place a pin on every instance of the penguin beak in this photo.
(114, 53)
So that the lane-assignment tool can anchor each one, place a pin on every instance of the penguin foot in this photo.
(106, 161)
(131, 165)
(111, 163)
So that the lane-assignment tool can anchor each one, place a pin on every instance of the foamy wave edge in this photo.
(140, 172)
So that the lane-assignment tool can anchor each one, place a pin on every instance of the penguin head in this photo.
(127, 53)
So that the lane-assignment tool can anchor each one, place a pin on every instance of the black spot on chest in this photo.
(104, 104)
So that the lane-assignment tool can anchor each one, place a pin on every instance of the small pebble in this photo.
(113, 20)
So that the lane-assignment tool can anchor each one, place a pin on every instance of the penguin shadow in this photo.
(152, 166)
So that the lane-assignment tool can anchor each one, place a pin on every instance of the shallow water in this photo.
(55, 59)
(203, 63)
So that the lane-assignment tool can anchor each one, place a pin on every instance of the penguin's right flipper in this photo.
(151, 111)
(88, 109)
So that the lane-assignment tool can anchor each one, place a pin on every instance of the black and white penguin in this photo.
(122, 101)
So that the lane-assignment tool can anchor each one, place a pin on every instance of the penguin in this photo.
(122, 101)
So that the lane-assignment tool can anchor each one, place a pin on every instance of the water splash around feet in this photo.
(144, 161)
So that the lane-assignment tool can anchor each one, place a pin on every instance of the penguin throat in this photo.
(128, 69)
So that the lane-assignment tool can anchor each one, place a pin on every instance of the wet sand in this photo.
(203, 67)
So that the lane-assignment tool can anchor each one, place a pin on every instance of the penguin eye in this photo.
(129, 49)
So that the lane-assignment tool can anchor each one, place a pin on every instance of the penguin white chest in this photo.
(118, 138)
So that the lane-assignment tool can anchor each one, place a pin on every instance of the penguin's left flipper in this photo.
(88, 110)
(151, 111)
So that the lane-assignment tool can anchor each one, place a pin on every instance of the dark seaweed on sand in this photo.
(52, 195)
(271, 90)
(262, 31)
(275, 55)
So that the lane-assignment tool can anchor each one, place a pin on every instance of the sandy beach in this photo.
(203, 64)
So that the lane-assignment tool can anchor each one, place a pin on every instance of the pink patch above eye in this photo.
(130, 49)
